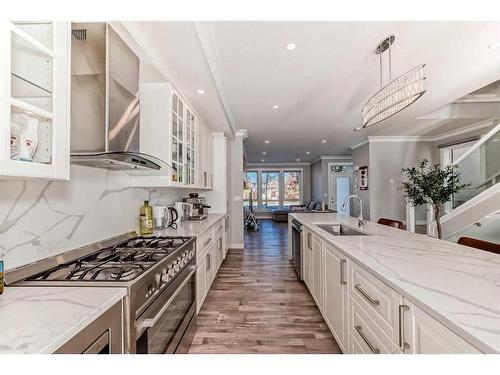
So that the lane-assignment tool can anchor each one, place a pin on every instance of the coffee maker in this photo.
(199, 205)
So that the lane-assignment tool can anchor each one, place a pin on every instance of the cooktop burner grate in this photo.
(124, 261)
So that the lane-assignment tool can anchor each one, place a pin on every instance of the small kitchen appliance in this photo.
(200, 207)
(184, 209)
(164, 217)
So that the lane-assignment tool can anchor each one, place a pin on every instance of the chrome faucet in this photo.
(361, 221)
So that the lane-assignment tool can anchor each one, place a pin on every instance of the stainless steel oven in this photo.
(169, 323)
(297, 248)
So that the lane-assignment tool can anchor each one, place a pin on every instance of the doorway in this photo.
(340, 181)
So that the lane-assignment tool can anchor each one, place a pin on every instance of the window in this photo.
(251, 186)
(291, 188)
(270, 190)
(273, 188)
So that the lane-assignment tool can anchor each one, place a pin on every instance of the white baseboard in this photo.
(236, 246)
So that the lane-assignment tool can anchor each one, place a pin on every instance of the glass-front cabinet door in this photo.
(183, 145)
(34, 99)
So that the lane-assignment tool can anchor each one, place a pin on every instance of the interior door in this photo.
(340, 179)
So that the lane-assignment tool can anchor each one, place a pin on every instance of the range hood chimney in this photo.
(105, 101)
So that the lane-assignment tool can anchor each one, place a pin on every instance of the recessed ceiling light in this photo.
(357, 129)
(200, 91)
(494, 45)
(324, 141)
(495, 140)
(291, 46)
(307, 152)
(262, 160)
(276, 106)
(264, 153)
(266, 141)
(298, 159)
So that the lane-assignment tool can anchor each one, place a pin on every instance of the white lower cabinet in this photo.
(307, 259)
(336, 294)
(210, 254)
(430, 336)
(201, 283)
(317, 272)
(364, 314)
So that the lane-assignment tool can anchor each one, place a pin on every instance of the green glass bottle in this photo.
(146, 219)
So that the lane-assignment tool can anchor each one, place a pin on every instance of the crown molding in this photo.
(427, 138)
(401, 138)
(295, 163)
(358, 145)
(212, 57)
(466, 129)
(332, 157)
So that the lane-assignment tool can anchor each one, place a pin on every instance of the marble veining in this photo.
(39, 219)
(40, 320)
(191, 228)
(457, 285)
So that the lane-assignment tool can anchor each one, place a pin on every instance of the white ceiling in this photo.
(321, 86)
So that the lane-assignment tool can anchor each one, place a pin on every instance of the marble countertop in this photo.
(457, 285)
(39, 320)
(191, 228)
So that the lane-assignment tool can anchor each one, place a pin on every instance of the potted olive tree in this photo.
(432, 184)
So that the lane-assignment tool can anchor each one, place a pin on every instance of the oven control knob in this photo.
(182, 262)
(165, 278)
(171, 271)
(176, 267)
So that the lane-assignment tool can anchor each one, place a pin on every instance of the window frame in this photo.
(259, 203)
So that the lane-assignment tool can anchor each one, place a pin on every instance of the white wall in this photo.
(386, 159)
(360, 158)
(317, 181)
(236, 192)
(43, 218)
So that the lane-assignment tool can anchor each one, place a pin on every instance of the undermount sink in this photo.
(341, 230)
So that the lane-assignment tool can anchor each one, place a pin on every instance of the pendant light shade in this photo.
(395, 96)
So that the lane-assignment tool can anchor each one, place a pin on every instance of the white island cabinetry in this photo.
(364, 313)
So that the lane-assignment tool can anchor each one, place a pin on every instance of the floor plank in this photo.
(257, 305)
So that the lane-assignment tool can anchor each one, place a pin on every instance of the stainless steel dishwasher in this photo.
(297, 247)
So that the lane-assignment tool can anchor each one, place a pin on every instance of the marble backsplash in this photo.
(39, 218)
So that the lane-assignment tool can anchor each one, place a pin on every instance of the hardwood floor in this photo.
(257, 305)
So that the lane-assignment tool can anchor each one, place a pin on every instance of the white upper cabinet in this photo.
(171, 132)
(35, 99)
(207, 158)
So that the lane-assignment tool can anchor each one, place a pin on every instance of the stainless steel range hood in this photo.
(105, 101)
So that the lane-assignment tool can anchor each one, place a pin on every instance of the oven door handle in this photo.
(148, 323)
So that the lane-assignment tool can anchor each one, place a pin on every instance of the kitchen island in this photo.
(39, 320)
(392, 291)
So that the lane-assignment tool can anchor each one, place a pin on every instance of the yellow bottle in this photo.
(146, 219)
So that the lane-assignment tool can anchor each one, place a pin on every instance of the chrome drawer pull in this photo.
(375, 302)
(402, 344)
(365, 339)
(343, 262)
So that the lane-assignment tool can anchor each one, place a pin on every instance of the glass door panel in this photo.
(31, 71)
(31, 136)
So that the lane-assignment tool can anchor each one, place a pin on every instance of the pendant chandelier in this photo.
(395, 95)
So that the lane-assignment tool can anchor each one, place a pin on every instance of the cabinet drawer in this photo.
(367, 333)
(354, 346)
(203, 243)
(218, 228)
(379, 300)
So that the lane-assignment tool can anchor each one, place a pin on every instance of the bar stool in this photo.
(480, 244)
(391, 223)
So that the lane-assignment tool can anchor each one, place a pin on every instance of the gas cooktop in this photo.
(124, 261)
